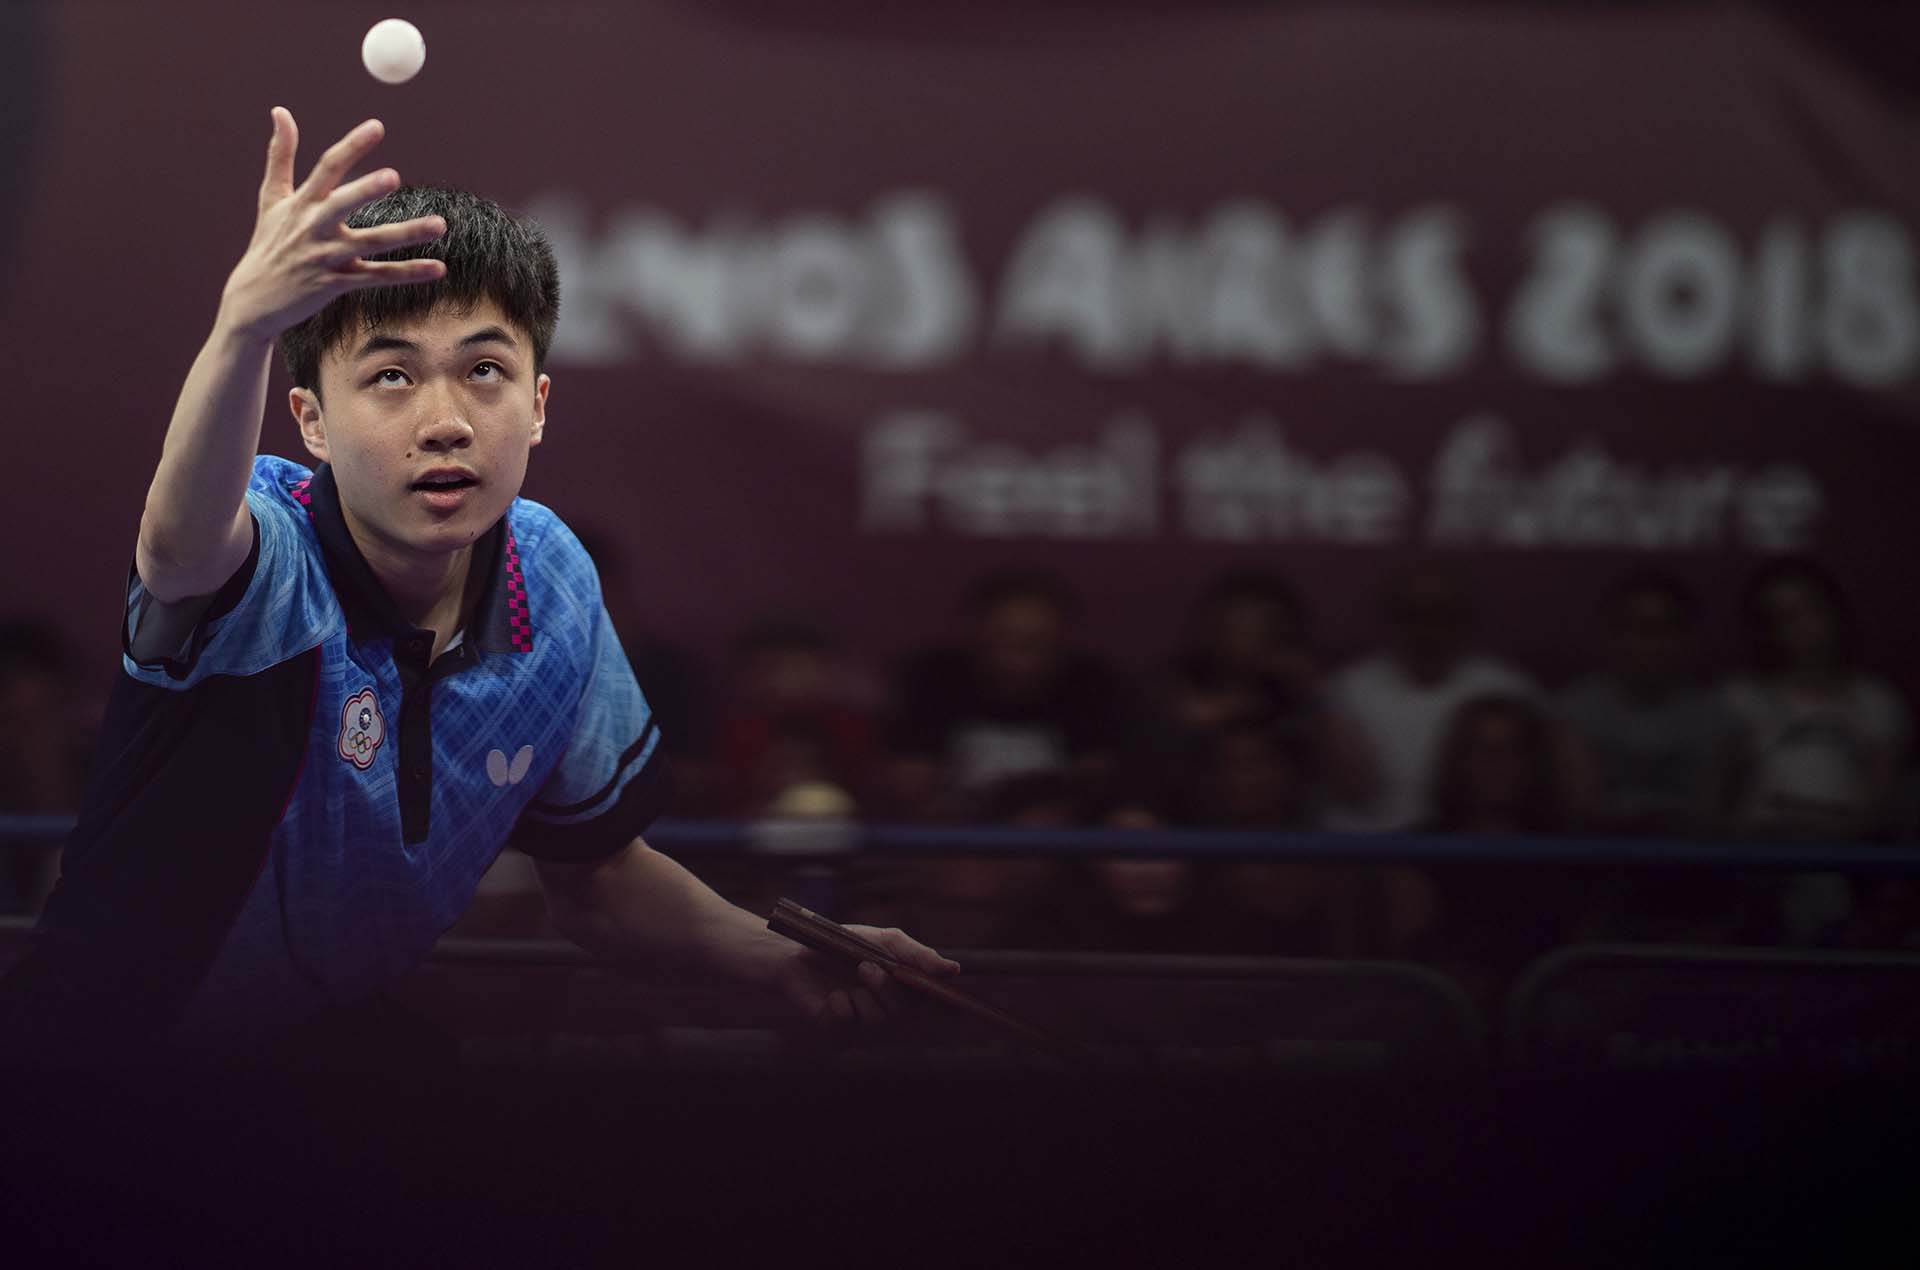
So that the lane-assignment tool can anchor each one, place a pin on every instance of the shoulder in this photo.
(280, 480)
(1880, 706)
(550, 556)
(1746, 698)
(545, 542)
(562, 586)
(276, 495)
(1367, 673)
(1585, 698)
(1487, 674)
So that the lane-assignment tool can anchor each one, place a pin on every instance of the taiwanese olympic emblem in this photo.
(361, 729)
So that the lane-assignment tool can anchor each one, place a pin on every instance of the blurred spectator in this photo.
(1498, 774)
(1248, 669)
(1654, 743)
(1821, 749)
(1401, 698)
(1822, 745)
(1017, 699)
(674, 683)
(1261, 776)
(43, 749)
(1144, 903)
(795, 726)
(1000, 902)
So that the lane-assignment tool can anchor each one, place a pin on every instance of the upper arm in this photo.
(186, 582)
(277, 603)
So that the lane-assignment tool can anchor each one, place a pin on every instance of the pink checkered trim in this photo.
(517, 624)
(302, 496)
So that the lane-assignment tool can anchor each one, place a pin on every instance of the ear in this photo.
(541, 387)
(312, 424)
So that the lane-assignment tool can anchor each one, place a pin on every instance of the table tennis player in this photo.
(347, 688)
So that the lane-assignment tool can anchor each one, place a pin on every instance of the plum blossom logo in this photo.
(361, 729)
(503, 772)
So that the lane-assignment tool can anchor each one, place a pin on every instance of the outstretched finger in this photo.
(341, 157)
(910, 950)
(406, 233)
(278, 182)
(335, 207)
(392, 273)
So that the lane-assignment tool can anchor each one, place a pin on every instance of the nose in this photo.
(442, 424)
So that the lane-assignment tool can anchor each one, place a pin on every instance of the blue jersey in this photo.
(314, 797)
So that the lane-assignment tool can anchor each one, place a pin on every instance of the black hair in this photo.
(490, 255)
(1257, 587)
(990, 592)
(1764, 649)
(1445, 572)
(1654, 582)
(1448, 794)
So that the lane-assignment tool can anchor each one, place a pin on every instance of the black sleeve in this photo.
(183, 628)
(644, 800)
(179, 815)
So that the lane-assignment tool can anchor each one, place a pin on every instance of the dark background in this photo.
(732, 486)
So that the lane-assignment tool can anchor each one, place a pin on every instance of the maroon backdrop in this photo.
(860, 306)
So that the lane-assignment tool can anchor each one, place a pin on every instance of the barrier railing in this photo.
(827, 840)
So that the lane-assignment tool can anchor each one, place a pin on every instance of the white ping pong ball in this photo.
(394, 50)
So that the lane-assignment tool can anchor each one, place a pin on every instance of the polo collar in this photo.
(500, 623)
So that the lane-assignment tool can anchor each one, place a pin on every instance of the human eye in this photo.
(487, 372)
(391, 377)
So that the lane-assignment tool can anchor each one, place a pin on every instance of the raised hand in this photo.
(303, 254)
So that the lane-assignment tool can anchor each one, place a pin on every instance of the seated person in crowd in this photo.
(994, 901)
(1247, 660)
(1498, 773)
(673, 679)
(1822, 744)
(1016, 699)
(1401, 697)
(1261, 776)
(1652, 740)
(797, 724)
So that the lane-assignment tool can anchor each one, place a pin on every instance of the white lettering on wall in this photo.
(1481, 493)
(1240, 287)
(924, 472)
(892, 290)
(1682, 298)
(1678, 296)
(921, 470)
(1248, 485)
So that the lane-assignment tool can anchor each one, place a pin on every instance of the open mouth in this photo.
(444, 484)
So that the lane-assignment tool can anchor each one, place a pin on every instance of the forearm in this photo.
(194, 532)
(645, 911)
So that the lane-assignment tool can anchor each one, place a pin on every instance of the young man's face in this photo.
(450, 394)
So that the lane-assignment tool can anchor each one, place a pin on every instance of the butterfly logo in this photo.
(502, 772)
